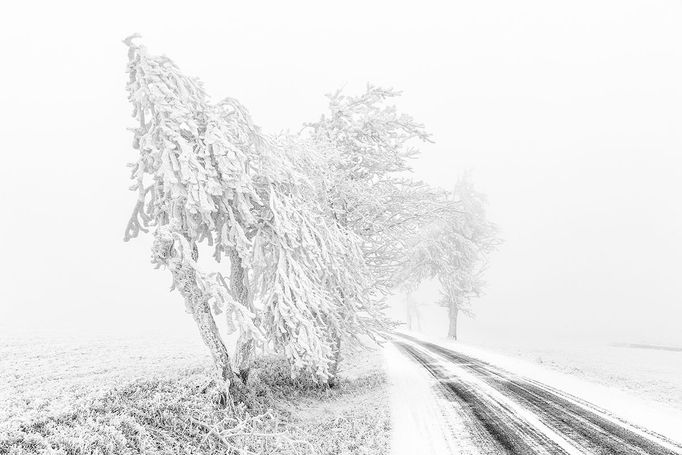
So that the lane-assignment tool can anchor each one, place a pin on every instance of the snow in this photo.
(49, 374)
(503, 403)
(652, 374)
(634, 409)
(419, 416)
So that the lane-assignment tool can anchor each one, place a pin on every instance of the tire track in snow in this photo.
(510, 414)
(497, 428)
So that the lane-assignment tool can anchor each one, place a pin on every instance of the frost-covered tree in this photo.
(368, 144)
(477, 237)
(310, 273)
(297, 275)
(453, 248)
(412, 310)
(193, 180)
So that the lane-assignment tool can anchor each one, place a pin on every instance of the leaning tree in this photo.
(298, 278)
(193, 180)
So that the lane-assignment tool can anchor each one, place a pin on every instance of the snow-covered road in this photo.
(449, 402)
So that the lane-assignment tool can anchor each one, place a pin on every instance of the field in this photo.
(651, 374)
(125, 395)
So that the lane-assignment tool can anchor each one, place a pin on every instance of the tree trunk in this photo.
(245, 345)
(197, 302)
(209, 333)
(333, 381)
(244, 356)
(452, 330)
(336, 359)
(408, 310)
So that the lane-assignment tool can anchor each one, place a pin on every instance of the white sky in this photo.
(569, 113)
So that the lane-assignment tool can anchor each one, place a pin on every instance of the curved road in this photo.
(509, 414)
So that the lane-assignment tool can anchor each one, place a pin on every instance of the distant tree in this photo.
(412, 310)
(453, 248)
(477, 237)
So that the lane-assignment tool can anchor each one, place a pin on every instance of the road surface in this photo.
(507, 414)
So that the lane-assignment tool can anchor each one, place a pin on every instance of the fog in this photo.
(568, 113)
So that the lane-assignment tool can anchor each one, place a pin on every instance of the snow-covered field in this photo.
(50, 386)
(650, 374)
(47, 374)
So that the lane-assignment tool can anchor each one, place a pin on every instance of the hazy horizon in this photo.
(569, 116)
